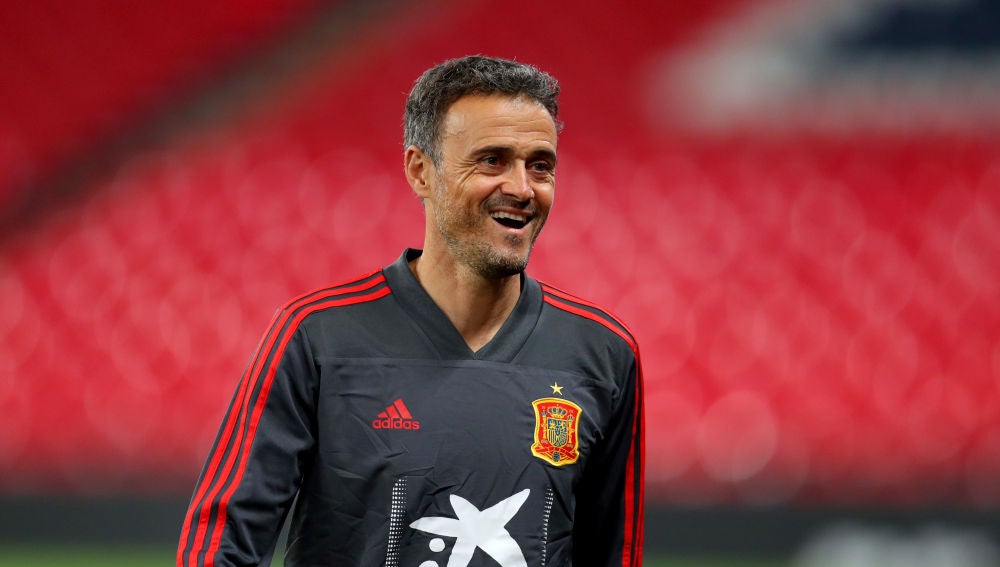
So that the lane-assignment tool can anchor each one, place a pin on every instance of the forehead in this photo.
(498, 119)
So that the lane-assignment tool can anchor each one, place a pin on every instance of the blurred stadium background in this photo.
(795, 204)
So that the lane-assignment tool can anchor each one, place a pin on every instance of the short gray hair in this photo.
(440, 86)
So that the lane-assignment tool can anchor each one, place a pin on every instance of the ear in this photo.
(419, 171)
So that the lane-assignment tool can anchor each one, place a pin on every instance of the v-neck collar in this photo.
(440, 331)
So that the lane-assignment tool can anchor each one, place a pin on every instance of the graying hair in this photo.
(440, 86)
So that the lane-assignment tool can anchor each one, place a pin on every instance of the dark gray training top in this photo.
(405, 448)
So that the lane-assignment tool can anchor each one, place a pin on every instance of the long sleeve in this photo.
(258, 458)
(608, 524)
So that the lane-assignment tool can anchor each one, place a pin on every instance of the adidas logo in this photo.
(396, 416)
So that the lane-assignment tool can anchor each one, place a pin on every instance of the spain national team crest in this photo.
(556, 425)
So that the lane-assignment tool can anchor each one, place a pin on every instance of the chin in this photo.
(490, 260)
(497, 266)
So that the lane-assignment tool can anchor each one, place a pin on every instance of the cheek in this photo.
(463, 185)
(545, 197)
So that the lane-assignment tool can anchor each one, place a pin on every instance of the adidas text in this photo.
(397, 423)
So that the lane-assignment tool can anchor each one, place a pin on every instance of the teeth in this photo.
(511, 216)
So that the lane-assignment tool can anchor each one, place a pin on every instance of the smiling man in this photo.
(486, 194)
(448, 409)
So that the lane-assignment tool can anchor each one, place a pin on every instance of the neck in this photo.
(475, 305)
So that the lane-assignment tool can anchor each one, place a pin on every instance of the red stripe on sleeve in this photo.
(634, 496)
(236, 419)
(258, 410)
(569, 297)
(587, 314)
(634, 503)
(215, 459)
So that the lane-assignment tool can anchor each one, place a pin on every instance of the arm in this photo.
(257, 461)
(608, 526)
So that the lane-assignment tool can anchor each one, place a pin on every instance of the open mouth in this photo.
(510, 220)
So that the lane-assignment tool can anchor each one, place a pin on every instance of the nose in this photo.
(518, 182)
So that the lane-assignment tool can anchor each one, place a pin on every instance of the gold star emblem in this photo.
(556, 388)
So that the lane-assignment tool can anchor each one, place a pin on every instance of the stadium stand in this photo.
(818, 311)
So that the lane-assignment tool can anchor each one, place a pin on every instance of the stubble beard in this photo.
(463, 234)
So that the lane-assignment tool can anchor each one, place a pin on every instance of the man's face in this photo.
(495, 181)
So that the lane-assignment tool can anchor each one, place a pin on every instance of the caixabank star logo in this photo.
(557, 424)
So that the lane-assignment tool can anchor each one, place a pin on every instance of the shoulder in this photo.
(587, 313)
(362, 289)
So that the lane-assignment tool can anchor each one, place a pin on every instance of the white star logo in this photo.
(483, 529)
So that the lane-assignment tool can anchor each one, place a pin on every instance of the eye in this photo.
(491, 160)
(542, 167)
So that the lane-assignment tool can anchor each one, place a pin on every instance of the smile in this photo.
(510, 220)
